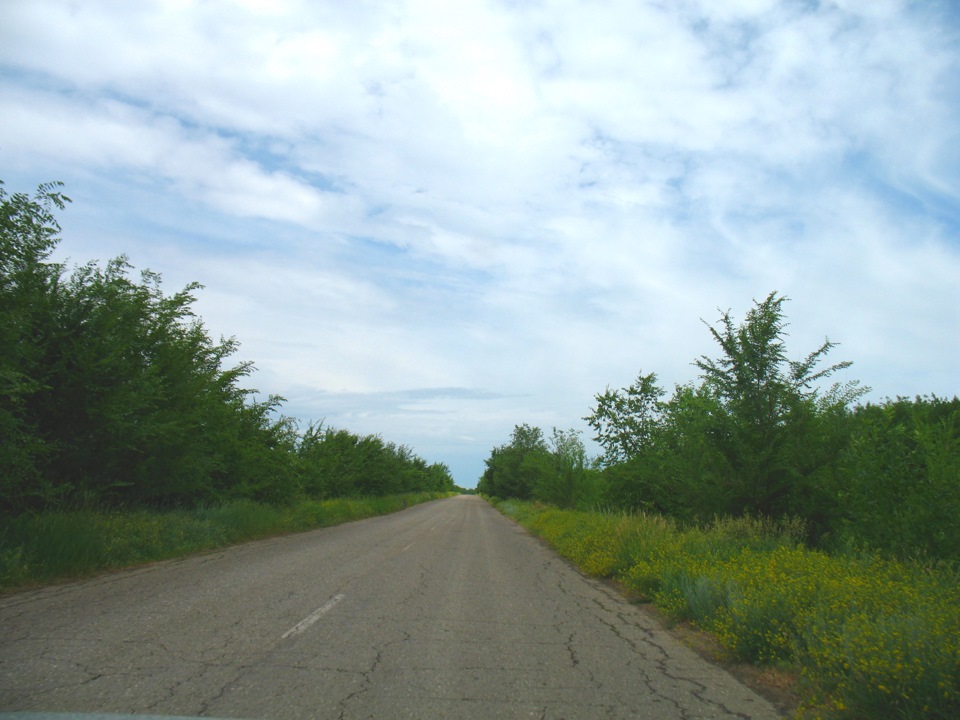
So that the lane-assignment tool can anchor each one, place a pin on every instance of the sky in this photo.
(434, 220)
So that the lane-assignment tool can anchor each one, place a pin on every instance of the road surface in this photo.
(444, 610)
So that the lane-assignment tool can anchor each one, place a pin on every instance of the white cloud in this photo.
(530, 200)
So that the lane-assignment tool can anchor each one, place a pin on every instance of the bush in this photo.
(897, 486)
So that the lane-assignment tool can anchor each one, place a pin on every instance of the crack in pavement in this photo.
(367, 675)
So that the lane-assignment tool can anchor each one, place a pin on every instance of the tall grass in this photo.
(55, 545)
(871, 636)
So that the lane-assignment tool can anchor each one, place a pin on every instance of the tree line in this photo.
(758, 434)
(114, 393)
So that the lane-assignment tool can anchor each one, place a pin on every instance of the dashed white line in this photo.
(313, 617)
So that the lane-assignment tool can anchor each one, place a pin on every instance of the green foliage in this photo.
(338, 463)
(28, 235)
(759, 435)
(113, 393)
(765, 420)
(566, 480)
(899, 478)
(130, 399)
(516, 468)
(627, 420)
(756, 436)
(682, 471)
(554, 471)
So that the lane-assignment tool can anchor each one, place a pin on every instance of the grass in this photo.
(43, 547)
(870, 636)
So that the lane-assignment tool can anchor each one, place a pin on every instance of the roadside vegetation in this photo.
(45, 546)
(870, 636)
(125, 431)
(773, 510)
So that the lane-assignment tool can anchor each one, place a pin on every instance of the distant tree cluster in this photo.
(113, 393)
(757, 435)
(337, 463)
(531, 467)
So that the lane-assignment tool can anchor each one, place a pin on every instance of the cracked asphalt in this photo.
(444, 610)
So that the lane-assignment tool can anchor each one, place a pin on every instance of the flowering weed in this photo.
(872, 636)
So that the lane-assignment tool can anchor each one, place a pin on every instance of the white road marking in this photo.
(313, 617)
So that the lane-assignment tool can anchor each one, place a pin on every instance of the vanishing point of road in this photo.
(444, 610)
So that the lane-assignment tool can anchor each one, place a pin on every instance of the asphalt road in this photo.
(445, 610)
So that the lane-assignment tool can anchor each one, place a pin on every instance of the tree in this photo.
(28, 235)
(898, 488)
(756, 435)
(625, 420)
(765, 420)
(515, 469)
(439, 478)
(338, 463)
(113, 392)
(566, 480)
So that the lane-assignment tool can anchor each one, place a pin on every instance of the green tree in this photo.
(28, 283)
(898, 486)
(756, 435)
(765, 420)
(515, 469)
(112, 391)
(626, 420)
(565, 478)
(338, 463)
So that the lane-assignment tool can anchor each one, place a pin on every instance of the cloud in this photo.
(202, 164)
(526, 200)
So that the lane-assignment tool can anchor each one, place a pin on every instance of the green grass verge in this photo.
(42, 547)
(871, 637)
